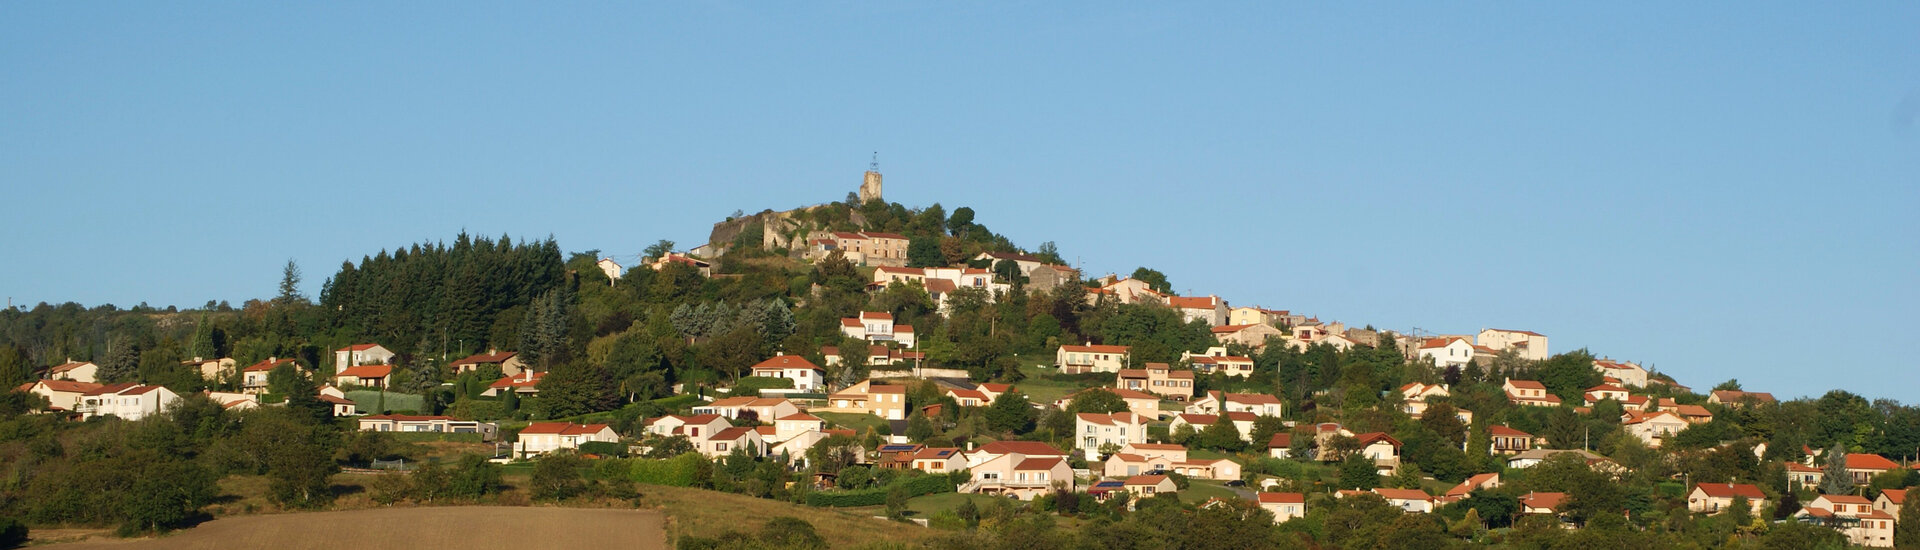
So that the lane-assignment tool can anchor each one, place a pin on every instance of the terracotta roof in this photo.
(1503, 430)
(367, 371)
(1403, 494)
(329, 399)
(358, 347)
(937, 453)
(1280, 440)
(1110, 419)
(1862, 461)
(267, 365)
(1640, 417)
(766, 430)
(1526, 384)
(562, 428)
(1376, 437)
(1252, 398)
(1224, 329)
(1431, 343)
(525, 380)
(1132, 373)
(111, 389)
(850, 322)
(1798, 467)
(873, 235)
(1730, 396)
(731, 434)
(1845, 499)
(940, 286)
(958, 393)
(64, 367)
(1039, 463)
(1146, 480)
(1896, 496)
(1730, 490)
(137, 390)
(877, 388)
(779, 362)
(66, 386)
(1475, 482)
(876, 315)
(1157, 446)
(485, 358)
(1282, 498)
(1550, 501)
(996, 388)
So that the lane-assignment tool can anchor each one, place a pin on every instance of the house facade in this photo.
(544, 437)
(1087, 358)
(806, 376)
(1529, 345)
(360, 354)
(509, 362)
(126, 401)
(1094, 430)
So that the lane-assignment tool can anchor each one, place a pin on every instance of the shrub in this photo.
(12, 533)
(752, 385)
(604, 448)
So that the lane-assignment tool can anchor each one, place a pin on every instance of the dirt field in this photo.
(464, 527)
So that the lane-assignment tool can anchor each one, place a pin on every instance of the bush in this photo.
(911, 486)
(12, 533)
(752, 385)
(681, 471)
(603, 448)
(557, 477)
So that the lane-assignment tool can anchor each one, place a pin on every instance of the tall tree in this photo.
(1011, 412)
(1154, 279)
(659, 248)
(290, 285)
(1836, 480)
(960, 221)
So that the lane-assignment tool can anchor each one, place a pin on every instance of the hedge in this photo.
(915, 486)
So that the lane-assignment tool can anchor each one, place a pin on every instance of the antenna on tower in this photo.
(875, 166)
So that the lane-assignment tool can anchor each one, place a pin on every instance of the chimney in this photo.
(272, 359)
(969, 446)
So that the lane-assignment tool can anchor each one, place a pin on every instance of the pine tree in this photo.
(290, 285)
(1906, 530)
(1836, 480)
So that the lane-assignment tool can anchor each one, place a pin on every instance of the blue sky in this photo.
(1719, 190)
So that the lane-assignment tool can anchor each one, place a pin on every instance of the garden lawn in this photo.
(856, 421)
(926, 506)
(1198, 491)
(368, 400)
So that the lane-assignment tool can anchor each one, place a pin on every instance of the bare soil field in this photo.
(464, 527)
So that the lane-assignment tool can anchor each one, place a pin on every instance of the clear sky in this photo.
(1716, 189)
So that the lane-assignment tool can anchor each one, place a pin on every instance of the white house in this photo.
(806, 376)
(62, 395)
(1447, 352)
(361, 354)
(1528, 344)
(1654, 427)
(877, 326)
(612, 268)
(1216, 402)
(1090, 358)
(1853, 516)
(1414, 395)
(82, 371)
(1285, 506)
(430, 424)
(1092, 430)
(1628, 373)
(1530, 393)
(1712, 498)
(127, 401)
(545, 437)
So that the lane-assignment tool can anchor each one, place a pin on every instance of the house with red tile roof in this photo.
(253, 379)
(508, 362)
(1603, 392)
(1508, 441)
(1739, 398)
(127, 401)
(806, 376)
(430, 424)
(1530, 393)
(1628, 373)
(1414, 395)
(696, 428)
(544, 437)
(763, 409)
(1159, 379)
(939, 460)
(1446, 352)
(1804, 475)
(882, 400)
(1020, 475)
(360, 354)
(1853, 516)
(1231, 365)
(1413, 501)
(1713, 498)
(1259, 404)
(62, 395)
(525, 383)
(997, 449)
(1890, 501)
(1209, 309)
(75, 371)
(1653, 428)
(1542, 503)
(724, 442)
(877, 327)
(1864, 466)
(1091, 431)
(1081, 359)
(1284, 506)
(1475, 483)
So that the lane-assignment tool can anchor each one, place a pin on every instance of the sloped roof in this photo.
(486, 358)
(267, 365)
(1030, 448)
(1730, 490)
(1282, 498)
(1095, 349)
(1039, 463)
(1403, 494)
(1154, 479)
(64, 367)
(562, 428)
(358, 347)
(67, 386)
(785, 362)
(1550, 501)
(367, 371)
(1503, 430)
(1863, 461)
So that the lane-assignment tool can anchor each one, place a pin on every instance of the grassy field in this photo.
(1198, 491)
(1044, 385)
(856, 421)
(703, 513)
(931, 504)
(467, 527)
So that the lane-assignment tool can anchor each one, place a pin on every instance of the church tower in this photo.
(870, 187)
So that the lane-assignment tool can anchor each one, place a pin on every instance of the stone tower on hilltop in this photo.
(870, 187)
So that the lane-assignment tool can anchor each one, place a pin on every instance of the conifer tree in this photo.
(1835, 479)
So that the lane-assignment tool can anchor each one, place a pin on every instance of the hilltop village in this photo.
(911, 365)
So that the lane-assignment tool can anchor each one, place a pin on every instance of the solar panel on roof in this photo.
(895, 448)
